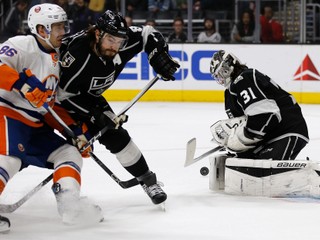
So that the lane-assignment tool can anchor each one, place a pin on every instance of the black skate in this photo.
(4, 224)
(150, 185)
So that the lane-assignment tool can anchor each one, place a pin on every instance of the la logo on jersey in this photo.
(307, 71)
(99, 84)
(67, 60)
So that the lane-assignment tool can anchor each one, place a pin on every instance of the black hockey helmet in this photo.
(113, 23)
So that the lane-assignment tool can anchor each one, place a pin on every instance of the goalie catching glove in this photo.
(31, 88)
(83, 136)
(232, 134)
(159, 58)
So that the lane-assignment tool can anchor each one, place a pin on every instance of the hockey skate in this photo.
(153, 189)
(76, 210)
(4, 224)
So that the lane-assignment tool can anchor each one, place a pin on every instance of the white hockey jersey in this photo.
(25, 52)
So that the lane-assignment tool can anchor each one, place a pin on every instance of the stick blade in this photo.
(7, 208)
(190, 151)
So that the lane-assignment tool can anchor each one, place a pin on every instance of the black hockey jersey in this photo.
(271, 112)
(85, 76)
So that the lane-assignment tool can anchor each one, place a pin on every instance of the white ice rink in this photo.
(161, 130)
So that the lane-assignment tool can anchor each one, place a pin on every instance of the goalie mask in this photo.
(222, 67)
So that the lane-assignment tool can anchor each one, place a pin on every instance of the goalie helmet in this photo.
(222, 67)
(46, 14)
(113, 23)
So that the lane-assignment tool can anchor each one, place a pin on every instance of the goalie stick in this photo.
(191, 150)
(9, 208)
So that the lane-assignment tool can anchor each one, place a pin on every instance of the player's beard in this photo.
(107, 54)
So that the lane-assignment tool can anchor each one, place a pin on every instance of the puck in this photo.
(204, 171)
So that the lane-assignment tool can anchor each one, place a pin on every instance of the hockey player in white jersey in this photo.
(29, 75)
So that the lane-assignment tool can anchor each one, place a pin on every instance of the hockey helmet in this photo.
(222, 66)
(113, 23)
(46, 14)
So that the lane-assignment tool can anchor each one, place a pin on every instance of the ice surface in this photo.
(161, 130)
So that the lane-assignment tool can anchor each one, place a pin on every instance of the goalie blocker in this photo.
(261, 177)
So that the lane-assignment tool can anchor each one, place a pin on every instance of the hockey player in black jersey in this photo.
(91, 62)
(265, 122)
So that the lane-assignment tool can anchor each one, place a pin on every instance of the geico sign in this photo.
(191, 66)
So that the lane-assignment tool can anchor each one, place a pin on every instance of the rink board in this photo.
(294, 67)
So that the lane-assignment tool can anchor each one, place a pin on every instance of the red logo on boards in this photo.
(307, 71)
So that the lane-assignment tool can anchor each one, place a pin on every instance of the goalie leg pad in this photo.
(270, 178)
(217, 172)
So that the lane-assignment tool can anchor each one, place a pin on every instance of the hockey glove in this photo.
(83, 136)
(221, 130)
(31, 88)
(102, 118)
(162, 63)
(240, 140)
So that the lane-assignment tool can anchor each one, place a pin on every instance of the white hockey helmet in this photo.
(46, 14)
(222, 66)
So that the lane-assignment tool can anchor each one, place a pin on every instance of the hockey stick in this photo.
(123, 111)
(124, 184)
(9, 208)
(191, 150)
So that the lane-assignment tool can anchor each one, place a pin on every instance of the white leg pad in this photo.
(217, 172)
(315, 180)
(272, 178)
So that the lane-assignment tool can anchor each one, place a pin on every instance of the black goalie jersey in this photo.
(271, 111)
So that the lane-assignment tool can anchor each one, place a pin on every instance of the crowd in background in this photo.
(83, 13)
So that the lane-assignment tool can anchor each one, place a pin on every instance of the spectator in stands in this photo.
(271, 30)
(151, 22)
(155, 6)
(97, 8)
(14, 21)
(128, 20)
(243, 31)
(81, 15)
(197, 6)
(209, 35)
(181, 4)
(178, 35)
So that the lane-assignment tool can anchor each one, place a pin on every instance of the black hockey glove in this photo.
(103, 117)
(162, 63)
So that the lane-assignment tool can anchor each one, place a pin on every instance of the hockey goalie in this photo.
(263, 135)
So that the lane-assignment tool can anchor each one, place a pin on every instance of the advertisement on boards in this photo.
(294, 67)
